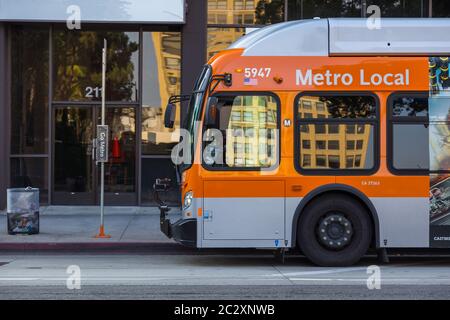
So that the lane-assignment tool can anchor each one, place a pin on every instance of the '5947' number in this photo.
(257, 72)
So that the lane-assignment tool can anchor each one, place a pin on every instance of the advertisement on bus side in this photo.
(439, 137)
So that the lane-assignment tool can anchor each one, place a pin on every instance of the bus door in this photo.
(243, 198)
(238, 210)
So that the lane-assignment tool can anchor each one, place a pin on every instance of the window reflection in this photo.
(308, 9)
(29, 94)
(409, 106)
(161, 79)
(78, 65)
(345, 149)
(250, 139)
(245, 11)
(220, 38)
(402, 8)
(336, 107)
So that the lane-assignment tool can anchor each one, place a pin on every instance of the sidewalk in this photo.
(65, 227)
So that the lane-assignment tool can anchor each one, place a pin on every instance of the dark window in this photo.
(321, 129)
(306, 160)
(308, 9)
(357, 161)
(29, 90)
(359, 144)
(306, 144)
(77, 65)
(321, 161)
(30, 172)
(333, 128)
(410, 132)
(260, 133)
(333, 144)
(398, 9)
(350, 144)
(333, 162)
(321, 144)
(350, 118)
(349, 160)
(350, 129)
(441, 8)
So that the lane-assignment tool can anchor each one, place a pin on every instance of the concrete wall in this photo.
(193, 48)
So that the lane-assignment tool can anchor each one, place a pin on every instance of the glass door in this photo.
(120, 170)
(73, 167)
(76, 177)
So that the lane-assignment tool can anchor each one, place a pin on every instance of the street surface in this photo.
(214, 276)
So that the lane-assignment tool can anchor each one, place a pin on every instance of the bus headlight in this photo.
(187, 200)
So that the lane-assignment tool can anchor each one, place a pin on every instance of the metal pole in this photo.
(102, 164)
(105, 149)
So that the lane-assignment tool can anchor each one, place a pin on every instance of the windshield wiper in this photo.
(179, 98)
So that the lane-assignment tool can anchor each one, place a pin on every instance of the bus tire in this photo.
(334, 231)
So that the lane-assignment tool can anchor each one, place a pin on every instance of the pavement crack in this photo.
(283, 275)
(126, 228)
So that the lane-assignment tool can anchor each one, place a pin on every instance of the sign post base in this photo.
(101, 234)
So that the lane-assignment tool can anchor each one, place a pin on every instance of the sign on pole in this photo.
(102, 148)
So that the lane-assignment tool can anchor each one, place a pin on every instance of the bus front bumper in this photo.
(183, 231)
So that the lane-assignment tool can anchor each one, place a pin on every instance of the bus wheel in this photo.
(334, 231)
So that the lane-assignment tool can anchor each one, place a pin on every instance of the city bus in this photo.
(327, 136)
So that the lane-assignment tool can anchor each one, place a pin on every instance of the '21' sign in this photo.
(93, 92)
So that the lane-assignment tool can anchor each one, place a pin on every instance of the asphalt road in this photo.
(250, 276)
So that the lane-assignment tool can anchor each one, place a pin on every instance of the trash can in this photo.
(23, 210)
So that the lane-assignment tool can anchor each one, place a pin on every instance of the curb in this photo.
(151, 248)
(74, 247)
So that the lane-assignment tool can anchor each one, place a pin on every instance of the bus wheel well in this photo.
(363, 200)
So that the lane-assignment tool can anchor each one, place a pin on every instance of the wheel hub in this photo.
(334, 231)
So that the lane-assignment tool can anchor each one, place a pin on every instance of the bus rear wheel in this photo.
(334, 231)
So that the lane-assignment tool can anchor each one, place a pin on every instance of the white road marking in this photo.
(327, 271)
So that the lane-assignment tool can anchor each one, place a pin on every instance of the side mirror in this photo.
(169, 115)
(211, 114)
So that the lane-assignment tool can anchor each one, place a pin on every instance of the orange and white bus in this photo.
(325, 135)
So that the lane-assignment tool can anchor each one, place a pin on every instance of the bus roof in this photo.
(350, 37)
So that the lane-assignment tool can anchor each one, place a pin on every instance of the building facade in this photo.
(50, 87)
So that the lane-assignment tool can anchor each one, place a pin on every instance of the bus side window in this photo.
(408, 141)
(249, 127)
(336, 132)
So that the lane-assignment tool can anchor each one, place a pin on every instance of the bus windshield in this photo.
(196, 101)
